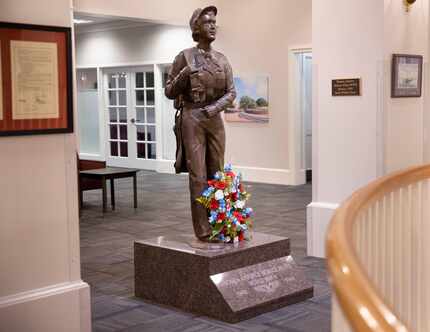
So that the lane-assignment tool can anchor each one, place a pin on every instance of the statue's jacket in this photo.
(198, 79)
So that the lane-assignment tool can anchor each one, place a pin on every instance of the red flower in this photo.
(234, 196)
(221, 216)
(211, 183)
(220, 185)
(214, 204)
(241, 236)
(230, 173)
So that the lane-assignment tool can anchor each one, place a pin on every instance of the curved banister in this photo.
(360, 300)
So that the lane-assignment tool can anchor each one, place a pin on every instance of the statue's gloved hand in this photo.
(185, 73)
(210, 111)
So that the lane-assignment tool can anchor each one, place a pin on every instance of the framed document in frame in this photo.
(1, 88)
(35, 80)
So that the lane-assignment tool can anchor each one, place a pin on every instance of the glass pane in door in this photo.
(117, 114)
(145, 115)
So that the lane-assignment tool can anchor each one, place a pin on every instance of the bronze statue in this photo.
(201, 82)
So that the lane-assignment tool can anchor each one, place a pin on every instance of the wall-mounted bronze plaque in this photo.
(345, 87)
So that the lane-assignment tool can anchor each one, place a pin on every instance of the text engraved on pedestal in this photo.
(265, 280)
(260, 283)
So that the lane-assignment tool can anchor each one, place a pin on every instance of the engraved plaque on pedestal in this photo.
(228, 282)
(260, 283)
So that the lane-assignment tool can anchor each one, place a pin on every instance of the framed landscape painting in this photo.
(406, 75)
(252, 100)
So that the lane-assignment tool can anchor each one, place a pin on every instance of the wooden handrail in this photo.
(359, 299)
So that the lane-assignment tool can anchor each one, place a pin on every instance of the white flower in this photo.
(227, 239)
(236, 239)
(240, 204)
(219, 194)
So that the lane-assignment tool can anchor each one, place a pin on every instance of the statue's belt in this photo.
(190, 105)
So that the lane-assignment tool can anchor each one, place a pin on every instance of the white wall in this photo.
(154, 43)
(40, 282)
(345, 142)
(359, 138)
(405, 33)
(260, 151)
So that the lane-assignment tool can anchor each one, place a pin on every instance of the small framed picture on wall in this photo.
(406, 75)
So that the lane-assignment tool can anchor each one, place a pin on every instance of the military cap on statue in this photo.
(198, 13)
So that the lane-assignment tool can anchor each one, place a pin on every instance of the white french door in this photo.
(132, 124)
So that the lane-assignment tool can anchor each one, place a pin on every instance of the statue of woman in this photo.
(201, 82)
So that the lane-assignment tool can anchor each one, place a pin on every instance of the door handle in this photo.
(133, 120)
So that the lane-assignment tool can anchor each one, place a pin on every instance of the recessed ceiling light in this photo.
(79, 21)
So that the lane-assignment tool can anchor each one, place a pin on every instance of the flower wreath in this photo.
(225, 198)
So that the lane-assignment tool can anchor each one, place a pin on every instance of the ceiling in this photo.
(104, 23)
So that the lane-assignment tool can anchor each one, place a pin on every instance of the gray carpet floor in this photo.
(107, 255)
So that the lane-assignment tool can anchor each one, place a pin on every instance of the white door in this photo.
(131, 117)
(306, 101)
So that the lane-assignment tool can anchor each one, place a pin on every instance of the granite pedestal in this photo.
(229, 282)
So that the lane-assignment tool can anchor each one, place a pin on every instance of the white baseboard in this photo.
(57, 308)
(317, 221)
(252, 174)
(265, 175)
(166, 166)
(90, 156)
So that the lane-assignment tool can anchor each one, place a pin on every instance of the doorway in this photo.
(131, 117)
(300, 114)
(305, 63)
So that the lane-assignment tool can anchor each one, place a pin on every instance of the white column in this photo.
(347, 39)
(40, 282)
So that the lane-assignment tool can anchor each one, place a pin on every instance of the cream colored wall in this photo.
(39, 228)
(256, 37)
(167, 11)
(405, 33)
